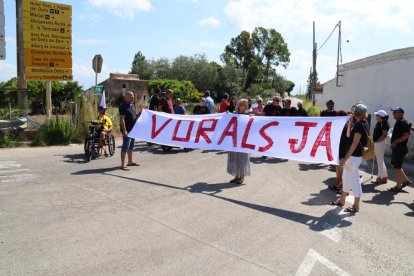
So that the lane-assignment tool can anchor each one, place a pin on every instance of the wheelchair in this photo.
(91, 145)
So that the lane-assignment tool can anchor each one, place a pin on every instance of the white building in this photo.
(379, 82)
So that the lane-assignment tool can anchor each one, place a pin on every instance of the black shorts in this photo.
(398, 156)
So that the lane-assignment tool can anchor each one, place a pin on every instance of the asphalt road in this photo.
(177, 214)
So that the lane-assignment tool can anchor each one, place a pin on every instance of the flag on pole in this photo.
(103, 100)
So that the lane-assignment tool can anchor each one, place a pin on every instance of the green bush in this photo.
(182, 89)
(57, 132)
(6, 140)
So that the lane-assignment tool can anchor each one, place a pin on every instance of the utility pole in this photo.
(337, 55)
(21, 81)
(313, 85)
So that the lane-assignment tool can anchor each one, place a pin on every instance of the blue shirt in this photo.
(210, 104)
(179, 110)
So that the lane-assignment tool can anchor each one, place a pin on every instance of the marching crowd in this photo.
(354, 137)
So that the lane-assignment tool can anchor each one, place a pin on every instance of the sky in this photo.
(118, 29)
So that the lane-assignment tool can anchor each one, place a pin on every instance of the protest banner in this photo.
(309, 139)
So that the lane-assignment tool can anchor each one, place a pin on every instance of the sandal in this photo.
(240, 181)
(234, 180)
(125, 168)
(336, 203)
(133, 164)
(406, 183)
(335, 188)
(351, 210)
(394, 189)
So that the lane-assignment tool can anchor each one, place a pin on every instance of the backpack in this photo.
(368, 152)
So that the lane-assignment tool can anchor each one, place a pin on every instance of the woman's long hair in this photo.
(240, 102)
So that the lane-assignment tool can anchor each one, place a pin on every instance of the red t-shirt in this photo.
(223, 106)
(167, 106)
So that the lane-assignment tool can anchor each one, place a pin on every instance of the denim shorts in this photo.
(127, 144)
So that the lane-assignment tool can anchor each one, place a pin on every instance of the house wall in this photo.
(379, 82)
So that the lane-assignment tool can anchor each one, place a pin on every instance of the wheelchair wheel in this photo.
(88, 150)
(111, 145)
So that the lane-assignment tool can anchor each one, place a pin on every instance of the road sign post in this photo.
(97, 66)
(2, 32)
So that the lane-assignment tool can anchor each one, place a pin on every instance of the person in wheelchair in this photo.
(104, 127)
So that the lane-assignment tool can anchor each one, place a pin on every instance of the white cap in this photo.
(381, 113)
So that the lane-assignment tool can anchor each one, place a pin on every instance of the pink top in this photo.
(258, 109)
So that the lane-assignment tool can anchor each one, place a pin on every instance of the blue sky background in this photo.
(117, 29)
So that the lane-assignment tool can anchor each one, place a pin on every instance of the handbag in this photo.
(368, 152)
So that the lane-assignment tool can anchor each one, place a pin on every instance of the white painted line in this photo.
(18, 170)
(331, 232)
(9, 165)
(17, 177)
(310, 260)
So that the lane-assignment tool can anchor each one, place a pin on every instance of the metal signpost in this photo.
(2, 32)
(97, 66)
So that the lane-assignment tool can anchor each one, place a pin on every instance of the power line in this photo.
(328, 37)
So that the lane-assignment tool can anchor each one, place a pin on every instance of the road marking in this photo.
(10, 172)
(331, 232)
(18, 170)
(310, 260)
(9, 165)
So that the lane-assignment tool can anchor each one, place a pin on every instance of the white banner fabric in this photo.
(309, 139)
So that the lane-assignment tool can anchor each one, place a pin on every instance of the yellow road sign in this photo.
(29, 22)
(47, 8)
(49, 77)
(48, 71)
(44, 46)
(46, 38)
(47, 58)
(47, 29)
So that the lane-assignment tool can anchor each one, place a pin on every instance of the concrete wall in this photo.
(379, 82)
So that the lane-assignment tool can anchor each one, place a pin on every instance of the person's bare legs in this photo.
(130, 157)
(123, 159)
(356, 203)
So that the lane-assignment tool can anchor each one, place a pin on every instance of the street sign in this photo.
(48, 71)
(49, 77)
(47, 36)
(98, 89)
(97, 63)
(46, 8)
(2, 33)
(2, 20)
(54, 59)
(1, 6)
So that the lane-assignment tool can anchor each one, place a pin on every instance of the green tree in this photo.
(240, 53)
(142, 67)
(270, 48)
(256, 54)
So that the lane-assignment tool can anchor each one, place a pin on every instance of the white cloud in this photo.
(296, 16)
(91, 41)
(83, 73)
(8, 70)
(92, 18)
(208, 44)
(210, 21)
(122, 8)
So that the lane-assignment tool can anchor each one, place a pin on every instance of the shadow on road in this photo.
(96, 171)
(315, 166)
(269, 160)
(74, 158)
(315, 223)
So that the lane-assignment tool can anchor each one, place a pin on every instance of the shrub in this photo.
(6, 140)
(57, 132)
